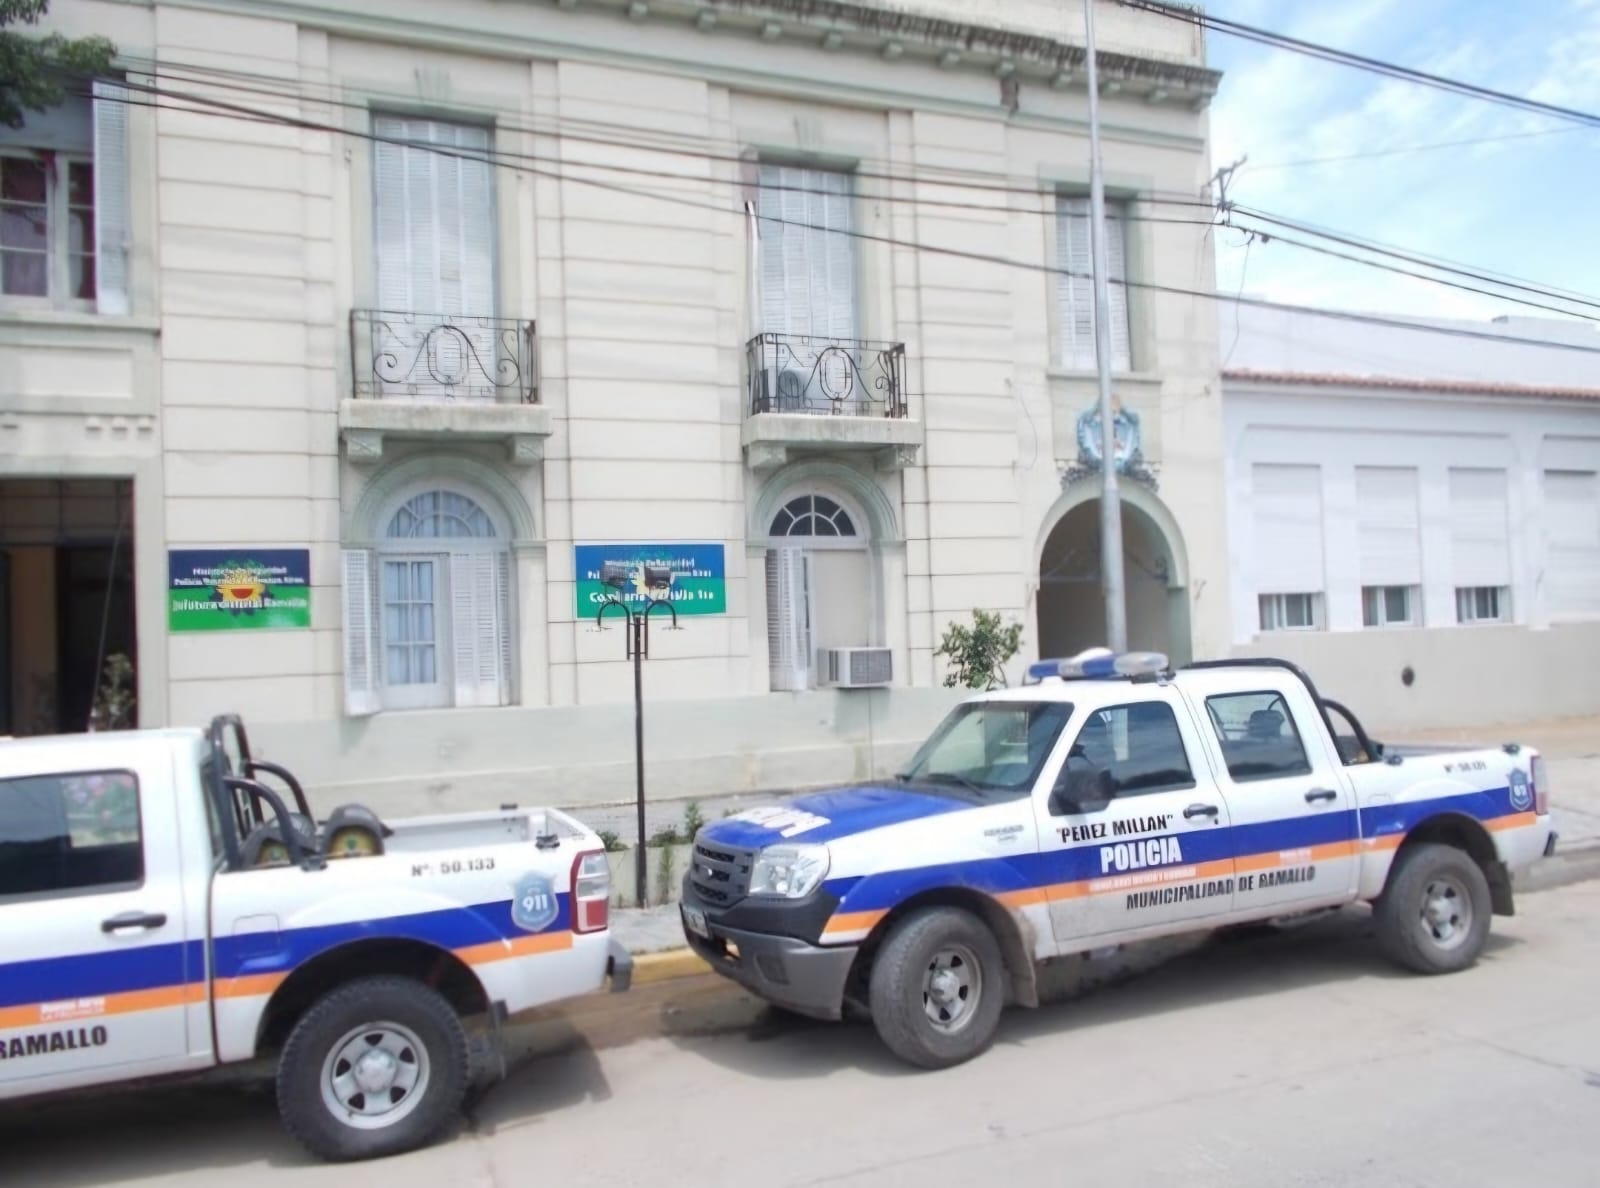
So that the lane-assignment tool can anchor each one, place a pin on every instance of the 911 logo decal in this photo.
(534, 906)
(1521, 792)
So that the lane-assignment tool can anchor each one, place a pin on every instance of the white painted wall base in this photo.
(438, 761)
(1477, 676)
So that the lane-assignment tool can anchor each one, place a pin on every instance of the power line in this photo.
(888, 240)
(983, 181)
(1406, 149)
(563, 130)
(1191, 16)
(1422, 261)
(1395, 268)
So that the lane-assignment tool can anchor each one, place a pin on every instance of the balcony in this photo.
(826, 395)
(442, 377)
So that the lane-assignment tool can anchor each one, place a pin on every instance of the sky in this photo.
(1519, 201)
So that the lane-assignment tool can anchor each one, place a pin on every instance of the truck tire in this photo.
(937, 988)
(376, 1067)
(1433, 917)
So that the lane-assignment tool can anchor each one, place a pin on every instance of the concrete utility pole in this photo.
(1111, 583)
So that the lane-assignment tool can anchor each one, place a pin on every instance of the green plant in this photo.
(115, 699)
(667, 835)
(611, 841)
(665, 871)
(693, 819)
(978, 654)
(35, 71)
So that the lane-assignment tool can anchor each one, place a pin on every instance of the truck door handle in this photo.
(141, 920)
(1317, 794)
(1200, 810)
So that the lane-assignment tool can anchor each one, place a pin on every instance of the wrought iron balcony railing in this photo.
(418, 356)
(793, 373)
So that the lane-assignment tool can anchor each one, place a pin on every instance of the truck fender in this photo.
(992, 902)
(1466, 833)
(425, 936)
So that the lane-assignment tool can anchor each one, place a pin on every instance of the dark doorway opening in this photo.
(66, 601)
(1071, 605)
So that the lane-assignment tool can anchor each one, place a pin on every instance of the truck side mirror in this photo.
(1080, 788)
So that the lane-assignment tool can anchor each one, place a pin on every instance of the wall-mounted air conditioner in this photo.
(856, 668)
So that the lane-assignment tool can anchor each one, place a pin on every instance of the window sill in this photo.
(1076, 375)
(24, 315)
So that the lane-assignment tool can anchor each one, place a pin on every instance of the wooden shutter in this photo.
(111, 205)
(477, 646)
(808, 258)
(434, 224)
(786, 657)
(360, 635)
(508, 628)
(1572, 543)
(1389, 542)
(1075, 285)
(1286, 502)
(1480, 539)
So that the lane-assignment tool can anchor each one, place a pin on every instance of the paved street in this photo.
(1295, 1059)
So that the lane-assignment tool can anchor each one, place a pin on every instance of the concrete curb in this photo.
(667, 965)
(1575, 865)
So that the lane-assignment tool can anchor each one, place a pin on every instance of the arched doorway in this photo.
(1071, 606)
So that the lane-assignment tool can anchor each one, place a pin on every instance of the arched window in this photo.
(438, 608)
(812, 515)
(821, 588)
(440, 513)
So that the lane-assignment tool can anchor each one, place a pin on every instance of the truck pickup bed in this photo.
(170, 904)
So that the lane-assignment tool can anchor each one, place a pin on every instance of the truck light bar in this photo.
(1097, 664)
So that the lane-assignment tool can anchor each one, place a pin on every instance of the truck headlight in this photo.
(789, 872)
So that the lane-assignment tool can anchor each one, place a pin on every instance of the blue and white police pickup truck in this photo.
(166, 912)
(1109, 800)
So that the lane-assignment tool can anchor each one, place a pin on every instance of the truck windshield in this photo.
(990, 748)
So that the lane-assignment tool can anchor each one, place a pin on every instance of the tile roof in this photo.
(1407, 384)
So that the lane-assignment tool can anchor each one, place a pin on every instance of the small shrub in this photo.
(610, 840)
(693, 819)
(978, 654)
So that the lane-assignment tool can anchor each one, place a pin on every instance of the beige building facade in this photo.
(405, 319)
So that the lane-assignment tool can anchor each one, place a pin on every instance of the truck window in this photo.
(1138, 745)
(991, 746)
(73, 832)
(1258, 736)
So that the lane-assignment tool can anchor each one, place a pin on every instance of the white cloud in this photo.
(1282, 107)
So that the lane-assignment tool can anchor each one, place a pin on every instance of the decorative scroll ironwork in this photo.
(795, 373)
(417, 356)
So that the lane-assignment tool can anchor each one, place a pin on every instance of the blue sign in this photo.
(699, 583)
(534, 906)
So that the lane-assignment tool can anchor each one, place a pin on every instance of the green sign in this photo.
(238, 589)
(699, 585)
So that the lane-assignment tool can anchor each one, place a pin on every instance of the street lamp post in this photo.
(637, 650)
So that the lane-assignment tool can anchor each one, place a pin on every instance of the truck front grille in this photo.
(721, 874)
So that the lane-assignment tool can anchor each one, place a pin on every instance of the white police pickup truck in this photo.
(165, 912)
(1107, 801)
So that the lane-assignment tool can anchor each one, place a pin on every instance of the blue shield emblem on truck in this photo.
(534, 906)
(1521, 792)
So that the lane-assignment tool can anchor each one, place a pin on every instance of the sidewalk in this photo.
(1571, 748)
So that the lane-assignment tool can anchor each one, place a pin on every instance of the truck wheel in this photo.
(377, 1067)
(1433, 917)
(937, 988)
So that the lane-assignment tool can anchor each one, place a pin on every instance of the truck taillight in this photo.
(1541, 789)
(591, 892)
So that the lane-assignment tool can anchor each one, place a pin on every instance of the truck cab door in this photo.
(96, 973)
(1134, 835)
(1294, 813)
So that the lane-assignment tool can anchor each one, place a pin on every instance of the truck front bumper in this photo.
(619, 965)
(804, 978)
